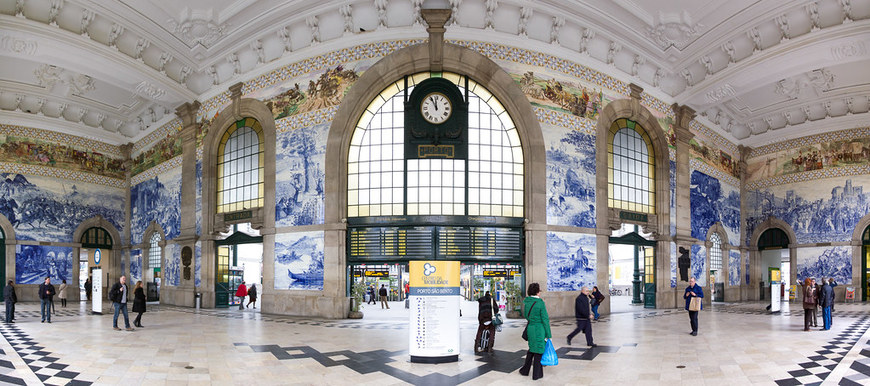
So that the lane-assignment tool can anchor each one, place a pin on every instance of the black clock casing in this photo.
(448, 139)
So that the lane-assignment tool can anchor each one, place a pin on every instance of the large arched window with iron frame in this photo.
(435, 170)
(240, 167)
(631, 168)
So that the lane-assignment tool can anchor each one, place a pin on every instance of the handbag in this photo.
(526, 330)
(549, 358)
(695, 304)
(497, 320)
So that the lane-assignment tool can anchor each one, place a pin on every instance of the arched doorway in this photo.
(773, 247)
(239, 258)
(865, 265)
(96, 252)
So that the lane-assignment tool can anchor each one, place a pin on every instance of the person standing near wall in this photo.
(46, 294)
(693, 291)
(815, 291)
(10, 299)
(118, 296)
(138, 303)
(89, 287)
(383, 294)
(809, 303)
(597, 299)
(62, 294)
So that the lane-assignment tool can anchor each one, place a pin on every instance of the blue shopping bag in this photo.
(549, 358)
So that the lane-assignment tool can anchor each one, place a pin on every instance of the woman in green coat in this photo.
(538, 331)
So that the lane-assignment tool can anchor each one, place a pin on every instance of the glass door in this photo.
(224, 289)
(865, 266)
(649, 280)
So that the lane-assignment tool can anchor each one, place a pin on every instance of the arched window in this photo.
(240, 173)
(716, 253)
(154, 252)
(382, 182)
(96, 238)
(631, 168)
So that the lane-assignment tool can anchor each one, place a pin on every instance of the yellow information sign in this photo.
(426, 275)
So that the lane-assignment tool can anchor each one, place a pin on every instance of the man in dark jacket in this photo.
(484, 320)
(826, 299)
(46, 293)
(10, 299)
(118, 296)
(582, 311)
(383, 294)
(693, 290)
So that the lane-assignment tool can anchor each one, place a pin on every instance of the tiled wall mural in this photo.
(699, 263)
(301, 155)
(570, 177)
(22, 145)
(672, 178)
(711, 202)
(33, 263)
(161, 151)
(156, 199)
(734, 267)
(570, 261)
(746, 267)
(299, 261)
(708, 153)
(135, 265)
(198, 256)
(825, 262)
(562, 95)
(818, 211)
(198, 197)
(824, 151)
(171, 272)
(50, 209)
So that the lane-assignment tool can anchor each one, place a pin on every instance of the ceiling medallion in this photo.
(816, 80)
(673, 29)
(77, 84)
(18, 46)
(198, 27)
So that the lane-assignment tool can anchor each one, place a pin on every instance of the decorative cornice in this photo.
(61, 138)
(45, 171)
(155, 171)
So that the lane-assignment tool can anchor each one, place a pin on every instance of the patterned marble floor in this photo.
(738, 344)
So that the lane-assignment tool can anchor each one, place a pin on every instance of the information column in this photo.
(434, 332)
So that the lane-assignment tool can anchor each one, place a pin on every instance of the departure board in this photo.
(409, 243)
(390, 243)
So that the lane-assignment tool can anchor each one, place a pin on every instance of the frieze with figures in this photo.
(808, 156)
(27, 150)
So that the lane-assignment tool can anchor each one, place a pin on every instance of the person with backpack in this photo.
(485, 327)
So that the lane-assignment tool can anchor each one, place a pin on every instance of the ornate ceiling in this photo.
(755, 71)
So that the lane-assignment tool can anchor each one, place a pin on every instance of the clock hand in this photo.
(434, 103)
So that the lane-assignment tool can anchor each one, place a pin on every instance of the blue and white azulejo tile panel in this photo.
(33, 263)
(299, 261)
(699, 263)
(825, 262)
(135, 265)
(714, 202)
(301, 155)
(156, 199)
(570, 176)
(571, 260)
(734, 267)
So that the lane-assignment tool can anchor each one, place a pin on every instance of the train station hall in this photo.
(640, 192)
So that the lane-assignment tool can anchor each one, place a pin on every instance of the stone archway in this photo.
(113, 269)
(415, 59)
(8, 251)
(755, 274)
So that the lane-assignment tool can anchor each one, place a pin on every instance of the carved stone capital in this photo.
(635, 91)
(187, 112)
(435, 19)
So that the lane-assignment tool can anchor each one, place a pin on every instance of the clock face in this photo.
(436, 108)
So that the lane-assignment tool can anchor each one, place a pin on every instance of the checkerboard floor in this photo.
(737, 345)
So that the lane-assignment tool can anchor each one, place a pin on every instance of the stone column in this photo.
(187, 237)
(747, 252)
(126, 243)
(683, 115)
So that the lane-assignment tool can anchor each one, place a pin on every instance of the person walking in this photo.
(826, 299)
(809, 302)
(833, 284)
(241, 292)
(582, 311)
(88, 288)
(10, 299)
(46, 294)
(538, 331)
(138, 303)
(61, 293)
(815, 292)
(693, 291)
(484, 323)
(383, 294)
(118, 296)
(371, 292)
(252, 296)
(597, 299)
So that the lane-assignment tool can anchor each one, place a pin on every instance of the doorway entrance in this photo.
(96, 252)
(632, 268)
(865, 264)
(773, 247)
(239, 258)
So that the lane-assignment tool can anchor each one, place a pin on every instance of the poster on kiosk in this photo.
(434, 301)
(775, 290)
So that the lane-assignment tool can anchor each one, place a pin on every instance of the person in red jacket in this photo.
(241, 292)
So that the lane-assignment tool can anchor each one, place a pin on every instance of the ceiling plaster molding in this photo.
(198, 27)
(808, 128)
(77, 84)
(849, 50)
(816, 80)
(16, 45)
(673, 30)
(42, 122)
